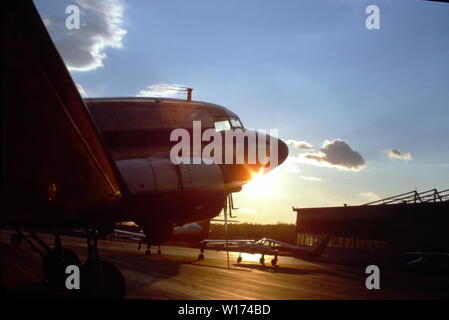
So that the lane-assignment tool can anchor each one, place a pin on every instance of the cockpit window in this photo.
(222, 124)
(235, 122)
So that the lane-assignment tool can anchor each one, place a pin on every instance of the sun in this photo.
(260, 184)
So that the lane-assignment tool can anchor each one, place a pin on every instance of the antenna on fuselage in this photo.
(189, 94)
(180, 88)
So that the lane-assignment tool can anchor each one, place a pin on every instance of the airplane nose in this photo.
(277, 158)
(282, 151)
(254, 159)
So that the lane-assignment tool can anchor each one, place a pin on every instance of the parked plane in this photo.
(264, 247)
(58, 173)
(191, 232)
(137, 132)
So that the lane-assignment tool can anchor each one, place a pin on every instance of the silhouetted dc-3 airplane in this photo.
(68, 165)
(266, 246)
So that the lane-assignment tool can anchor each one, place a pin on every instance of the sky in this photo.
(365, 112)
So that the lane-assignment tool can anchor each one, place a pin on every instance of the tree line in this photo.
(285, 232)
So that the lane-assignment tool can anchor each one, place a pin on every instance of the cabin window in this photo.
(222, 125)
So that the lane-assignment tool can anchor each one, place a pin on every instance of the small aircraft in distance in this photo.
(264, 247)
(194, 232)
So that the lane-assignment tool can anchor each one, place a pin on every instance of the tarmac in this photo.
(178, 274)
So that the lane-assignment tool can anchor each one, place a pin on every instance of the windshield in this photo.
(235, 122)
(222, 124)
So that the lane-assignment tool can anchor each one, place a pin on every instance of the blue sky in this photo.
(310, 69)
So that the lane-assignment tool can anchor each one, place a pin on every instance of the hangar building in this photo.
(380, 231)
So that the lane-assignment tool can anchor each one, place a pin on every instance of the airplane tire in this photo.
(113, 285)
(239, 259)
(274, 262)
(16, 239)
(159, 252)
(55, 264)
(262, 260)
(148, 252)
(201, 257)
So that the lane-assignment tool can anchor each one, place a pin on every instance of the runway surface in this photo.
(177, 274)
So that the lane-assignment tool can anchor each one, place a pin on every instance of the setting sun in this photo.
(260, 184)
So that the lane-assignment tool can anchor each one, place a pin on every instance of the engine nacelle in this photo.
(183, 193)
(157, 174)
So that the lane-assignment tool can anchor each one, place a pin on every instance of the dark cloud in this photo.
(398, 154)
(339, 154)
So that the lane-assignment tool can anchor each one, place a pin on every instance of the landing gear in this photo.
(239, 259)
(55, 260)
(100, 279)
(55, 263)
(155, 234)
(274, 261)
(201, 255)
(262, 260)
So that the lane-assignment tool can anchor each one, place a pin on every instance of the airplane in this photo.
(136, 131)
(266, 246)
(61, 171)
(191, 232)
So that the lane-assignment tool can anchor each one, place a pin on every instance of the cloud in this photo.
(301, 145)
(81, 90)
(371, 196)
(248, 211)
(162, 90)
(338, 154)
(398, 154)
(291, 164)
(101, 24)
(315, 179)
(187, 229)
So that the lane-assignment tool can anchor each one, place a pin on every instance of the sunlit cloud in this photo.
(398, 154)
(101, 27)
(370, 196)
(163, 90)
(337, 154)
(314, 179)
(81, 90)
(291, 164)
(301, 145)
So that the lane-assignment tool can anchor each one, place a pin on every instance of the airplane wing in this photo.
(219, 241)
(132, 235)
(55, 167)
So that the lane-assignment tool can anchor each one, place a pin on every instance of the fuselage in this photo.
(135, 128)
